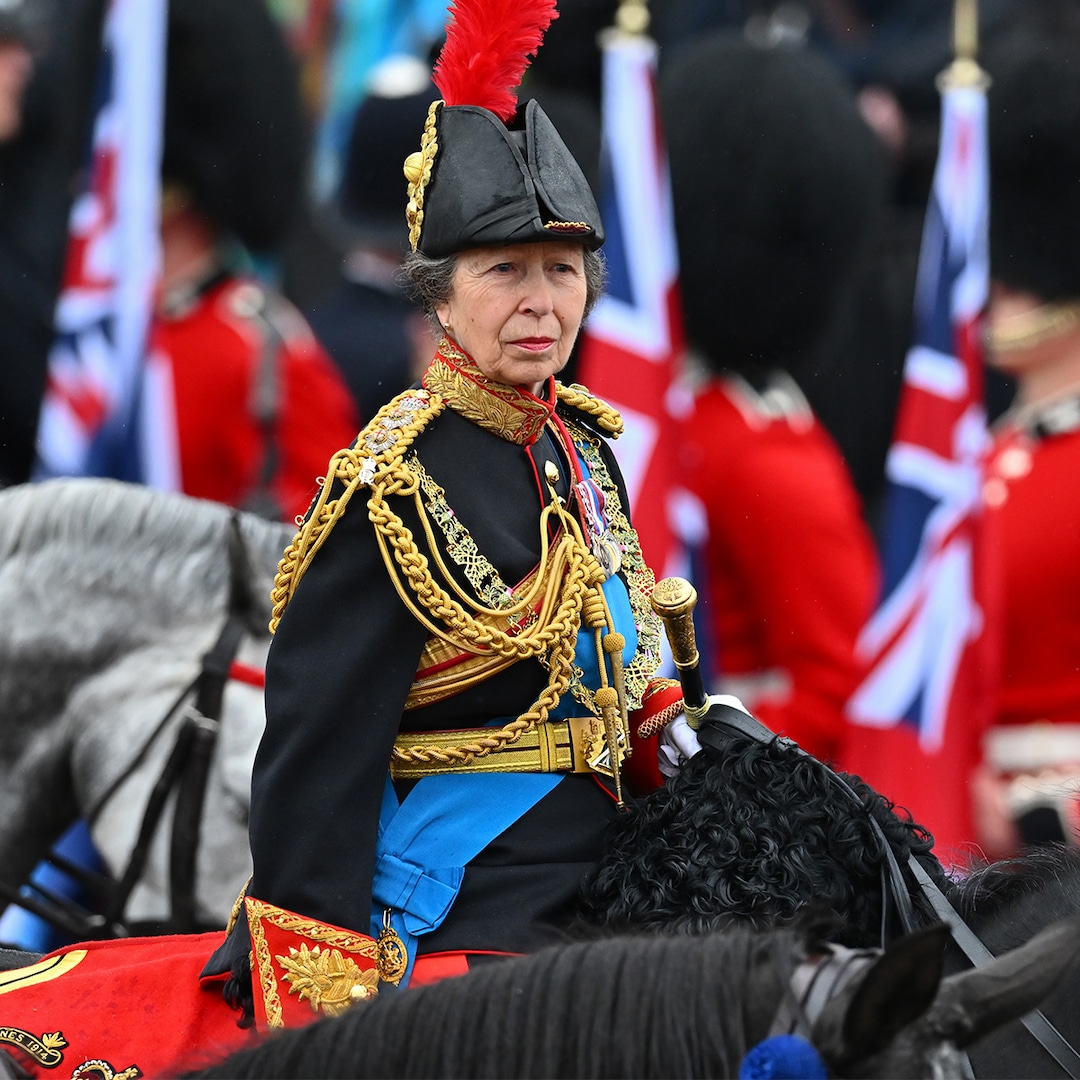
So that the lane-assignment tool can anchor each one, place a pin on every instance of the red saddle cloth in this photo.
(115, 1010)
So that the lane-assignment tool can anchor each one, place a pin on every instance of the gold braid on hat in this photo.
(418, 172)
(568, 578)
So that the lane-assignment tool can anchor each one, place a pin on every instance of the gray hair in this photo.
(430, 281)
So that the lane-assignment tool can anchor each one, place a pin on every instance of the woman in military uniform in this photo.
(462, 622)
(462, 632)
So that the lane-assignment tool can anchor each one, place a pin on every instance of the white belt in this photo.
(754, 687)
(1031, 747)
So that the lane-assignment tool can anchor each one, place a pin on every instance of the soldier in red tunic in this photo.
(259, 404)
(1026, 793)
(776, 178)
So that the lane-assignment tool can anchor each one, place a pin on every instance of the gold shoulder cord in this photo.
(568, 569)
(377, 451)
(577, 397)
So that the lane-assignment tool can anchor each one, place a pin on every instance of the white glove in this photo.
(678, 741)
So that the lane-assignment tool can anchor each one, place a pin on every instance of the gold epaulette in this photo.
(577, 397)
(373, 460)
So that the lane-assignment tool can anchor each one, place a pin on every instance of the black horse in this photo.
(753, 831)
(680, 1005)
(1005, 903)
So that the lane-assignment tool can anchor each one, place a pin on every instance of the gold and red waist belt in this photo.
(556, 746)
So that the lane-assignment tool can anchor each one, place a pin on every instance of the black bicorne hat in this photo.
(478, 181)
(493, 185)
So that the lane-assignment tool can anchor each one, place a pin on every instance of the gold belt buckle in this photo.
(589, 747)
(584, 740)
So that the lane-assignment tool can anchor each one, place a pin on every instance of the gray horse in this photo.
(112, 595)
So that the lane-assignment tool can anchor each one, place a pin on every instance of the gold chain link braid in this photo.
(552, 639)
(347, 466)
(569, 569)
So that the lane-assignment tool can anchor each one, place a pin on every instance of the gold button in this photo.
(551, 471)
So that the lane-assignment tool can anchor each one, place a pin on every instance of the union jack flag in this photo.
(633, 343)
(917, 719)
(99, 384)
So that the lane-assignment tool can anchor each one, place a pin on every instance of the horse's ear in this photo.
(895, 991)
(1009, 986)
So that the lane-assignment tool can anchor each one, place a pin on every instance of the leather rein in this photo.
(187, 768)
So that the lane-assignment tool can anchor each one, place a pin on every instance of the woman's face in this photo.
(516, 310)
(16, 66)
(1006, 308)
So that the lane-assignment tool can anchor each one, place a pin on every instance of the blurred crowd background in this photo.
(333, 228)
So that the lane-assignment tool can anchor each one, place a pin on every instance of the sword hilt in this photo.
(674, 599)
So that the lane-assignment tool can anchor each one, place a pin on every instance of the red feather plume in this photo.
(489, 44)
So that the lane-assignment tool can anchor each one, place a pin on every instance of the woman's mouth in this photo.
(534, 344)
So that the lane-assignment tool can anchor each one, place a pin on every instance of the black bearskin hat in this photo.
(776, 180)
(382, 135)
(1034, 130)
(235, 130)
(477, 181)
(28, 21)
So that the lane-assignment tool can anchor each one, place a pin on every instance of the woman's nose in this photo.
(537, 297)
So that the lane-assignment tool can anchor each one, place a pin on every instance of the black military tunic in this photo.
(340, 669)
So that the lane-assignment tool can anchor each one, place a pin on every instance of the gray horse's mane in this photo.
(117, 538)
(95, 510)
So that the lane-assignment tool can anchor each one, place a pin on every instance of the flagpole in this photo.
(919, 713)
(636, 326)
(964, 71)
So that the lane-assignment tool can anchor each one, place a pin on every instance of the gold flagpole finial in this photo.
(632, 17)
(964, 70)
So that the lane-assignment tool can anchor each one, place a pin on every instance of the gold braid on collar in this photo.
(507, 411)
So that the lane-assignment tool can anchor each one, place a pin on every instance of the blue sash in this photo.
(446, 821)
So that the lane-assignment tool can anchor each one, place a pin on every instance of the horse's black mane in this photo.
(608, 1007)
(754, 833)
(1006, 901)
